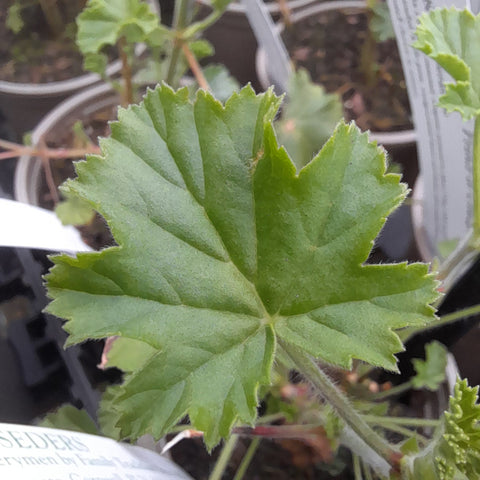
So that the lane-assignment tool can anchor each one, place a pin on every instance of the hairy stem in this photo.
(224, 458)
(327, 389)
(242, 469)
(127, 91)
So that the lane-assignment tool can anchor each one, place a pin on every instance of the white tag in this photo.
(28, 453)
(444, 140)
(27, 226)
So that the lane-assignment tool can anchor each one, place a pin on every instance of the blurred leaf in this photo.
(14, 19)
(431, 371)
(381, 24)
(67, 417)
(308, 119)
(74, 211)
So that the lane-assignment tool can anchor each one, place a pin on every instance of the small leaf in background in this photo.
(104, 22)
(128, 354)
(14, 20)
(74, 211)
(431, 371)
(108, 415)
(446, 247)
(67, 417)
(308, 118)
(225, 250)
(95, 62)
(451, 38)
(221, 83)
(380, 23)
(201, 48)
(80, 137)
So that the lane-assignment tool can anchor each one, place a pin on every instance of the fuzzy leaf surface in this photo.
(451, 38)
(223, 249)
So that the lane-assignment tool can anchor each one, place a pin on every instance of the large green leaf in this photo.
(223, 248)
(451, 37)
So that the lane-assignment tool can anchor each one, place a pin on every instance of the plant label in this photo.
(46, 454)
(443, 211)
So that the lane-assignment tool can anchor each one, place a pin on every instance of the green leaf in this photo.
(128, 354)
(454, 453)
(74, 211)
(450, 37)
(431, 371)
(308, 119)
(67, 417)
(223, 249)
(14, 20)
(108, 414)
(381, 24)
(221, 83)
(104, 22)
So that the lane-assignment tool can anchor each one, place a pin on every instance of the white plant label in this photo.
(28, 453)
(444, 140)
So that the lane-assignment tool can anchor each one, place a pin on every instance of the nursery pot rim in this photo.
(57, 88)
(28, 167)
(401, 137)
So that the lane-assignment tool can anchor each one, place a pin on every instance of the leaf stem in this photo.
(242, 469)
(476, 181)
(195, 67)
(127, 90)
(414, 422)
(443, 320)
(224, 458)
(179, 22)
(327, 389)
(393, 391)
(357, 468)
(52, 16)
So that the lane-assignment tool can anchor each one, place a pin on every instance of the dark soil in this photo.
(35, 54)
(329, 46)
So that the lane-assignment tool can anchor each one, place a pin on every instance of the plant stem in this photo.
(242, 469)
(16, 150)
(127, 91)
(413, 422)
(476, 181)
(393, 391)
(357, 468)
(327, 389)
(179, 23)
(52, 16)
(195, 67)
(443, 320)
(224, 458)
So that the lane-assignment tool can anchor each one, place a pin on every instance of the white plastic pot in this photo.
(28, 173)
(24, 104)
(404, 137)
